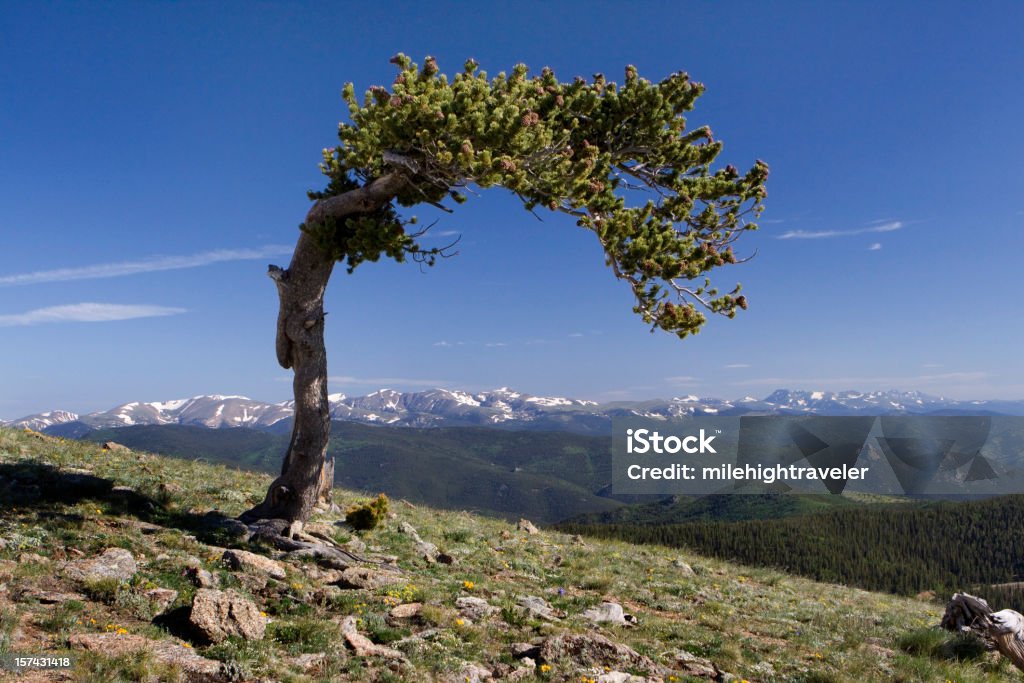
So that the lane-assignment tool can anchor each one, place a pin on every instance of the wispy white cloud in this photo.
(495, 344)
(889, 226)
(86, 313)
(875, 246)
(386, 381)
(146, 265)
(442, 343)
(448, 235)
(737, 366)
(683, 379)
(576, 334)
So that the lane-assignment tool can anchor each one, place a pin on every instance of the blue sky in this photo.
(155, 158)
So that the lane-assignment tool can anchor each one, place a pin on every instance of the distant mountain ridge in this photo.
(502, 407)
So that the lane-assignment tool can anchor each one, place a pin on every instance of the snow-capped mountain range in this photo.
(500, 407)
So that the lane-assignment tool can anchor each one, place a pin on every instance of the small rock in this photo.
(31, 558)
(539, 607)
(620, 677)
(692, 665)
(355, 545)
(409, 610)
(366, 578)
(470, 673)
(523, 673)
(161, 598)
(193, 665)
(363, 646)
(527, 526)
(684, 569)
(427, 551)
(319, 574)
(607, 612)
(114, 446)
(221, 614)
(201, 578)
(476, 609)
(243, 560)
(112, 563)
(308, 661)
(525, 651)
(409, 530)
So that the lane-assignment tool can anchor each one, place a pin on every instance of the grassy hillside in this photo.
(547, 476)
(63, 502)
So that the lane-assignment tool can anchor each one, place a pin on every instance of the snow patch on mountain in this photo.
(503, 407)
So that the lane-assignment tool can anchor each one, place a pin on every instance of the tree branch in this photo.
(365, 199)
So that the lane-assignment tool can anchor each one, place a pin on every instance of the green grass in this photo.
(758, 624)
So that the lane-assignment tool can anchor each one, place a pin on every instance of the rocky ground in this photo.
(132, 565)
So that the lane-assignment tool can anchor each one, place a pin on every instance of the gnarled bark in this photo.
(307, 474)
(1002, 630)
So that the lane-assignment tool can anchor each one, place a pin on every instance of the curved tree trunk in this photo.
(307, 475)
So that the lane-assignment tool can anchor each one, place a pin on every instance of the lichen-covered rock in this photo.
(367, 578)
(469, 673)
(220, 614)
(474, 608)
(608, 613)
(243, 560)
(539, 608)
(112, 563)
(593, 650)
(160, 598)
(410, 610)
(363, 646)
(696, 667)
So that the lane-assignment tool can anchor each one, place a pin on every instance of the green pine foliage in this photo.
(366, 516)
(618, 159)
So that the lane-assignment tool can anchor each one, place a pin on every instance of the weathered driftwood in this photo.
(1002, 630)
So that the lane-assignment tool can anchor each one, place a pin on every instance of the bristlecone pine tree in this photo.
(618, 159)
